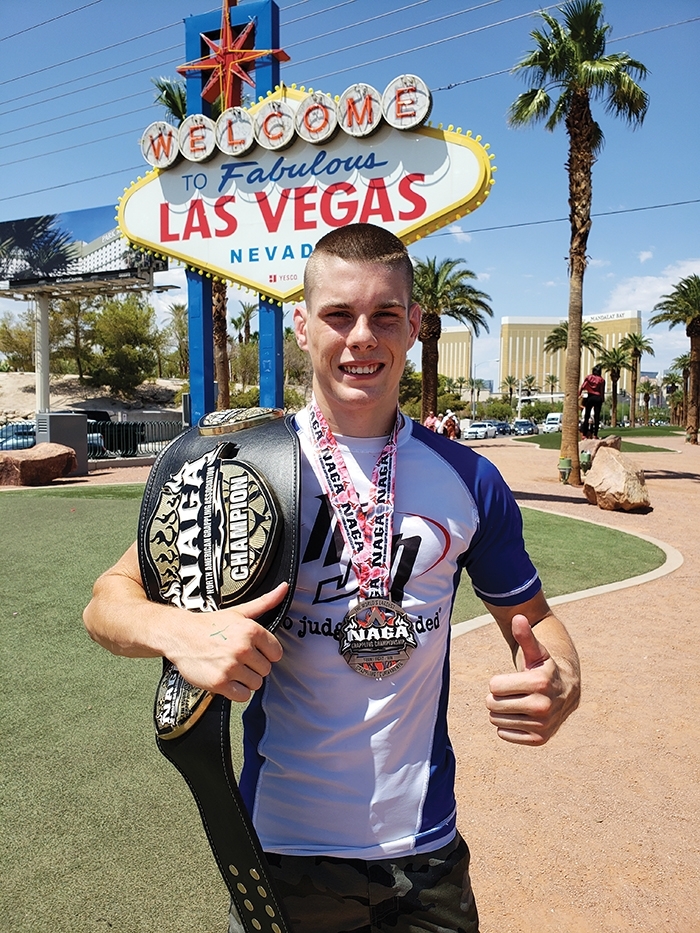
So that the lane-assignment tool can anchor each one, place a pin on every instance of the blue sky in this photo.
(76, 97)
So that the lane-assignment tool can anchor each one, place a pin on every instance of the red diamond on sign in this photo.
(272, 278)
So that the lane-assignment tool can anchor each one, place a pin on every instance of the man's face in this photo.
(357, 327)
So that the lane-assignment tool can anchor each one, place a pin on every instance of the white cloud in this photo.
(642, 292)
(460, 235)
(598, 263)
(550, 284)
(483, 276)
(645, 255)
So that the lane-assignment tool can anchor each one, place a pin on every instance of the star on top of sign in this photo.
(230, 62)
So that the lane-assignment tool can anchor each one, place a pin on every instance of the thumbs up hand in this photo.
(528, 706)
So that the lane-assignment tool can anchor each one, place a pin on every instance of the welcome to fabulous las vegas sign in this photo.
(245, 199)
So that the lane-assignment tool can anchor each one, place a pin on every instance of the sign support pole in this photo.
(41, 352)
(265, 13)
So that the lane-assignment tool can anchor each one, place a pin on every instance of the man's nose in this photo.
(361, 334)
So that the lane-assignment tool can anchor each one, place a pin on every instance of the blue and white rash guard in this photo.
(339, 764)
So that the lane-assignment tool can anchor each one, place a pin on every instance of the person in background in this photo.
(431, 421)
(591, 397)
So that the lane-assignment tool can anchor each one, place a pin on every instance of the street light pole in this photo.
(473, 380)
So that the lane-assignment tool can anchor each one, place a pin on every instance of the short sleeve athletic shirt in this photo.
(339, 764)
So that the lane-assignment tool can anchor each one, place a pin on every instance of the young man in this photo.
(349, 771)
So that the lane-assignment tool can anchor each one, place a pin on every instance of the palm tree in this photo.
(444, 289)
(529, 384)
(636, 345)
(647, 389)
(180, 333)
(558, 338)
(460, 385)
(682, 306)
(172, 95)
(248, 310)
(551, 381)
(613, 362)
(34, 246)
(682, 363)
(569, 59)
(509, 385)
(674, 396)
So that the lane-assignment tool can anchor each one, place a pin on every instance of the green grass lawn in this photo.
(553, 441)
(99, 832)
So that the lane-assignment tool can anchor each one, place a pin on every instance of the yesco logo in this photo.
(359, 111)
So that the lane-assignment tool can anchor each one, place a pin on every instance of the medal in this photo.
(376, 636)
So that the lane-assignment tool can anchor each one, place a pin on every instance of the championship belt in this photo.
(218, 526)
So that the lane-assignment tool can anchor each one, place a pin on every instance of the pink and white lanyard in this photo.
(367, 534)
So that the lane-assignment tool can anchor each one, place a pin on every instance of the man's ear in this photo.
(299, 318)
(414, 318)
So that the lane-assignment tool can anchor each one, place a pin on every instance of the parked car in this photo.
(502, 428)
(20, 435)
(523, 426)
(552, 422)
(480, 430)
(17, 435)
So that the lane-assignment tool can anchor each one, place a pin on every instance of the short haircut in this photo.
(360, 243)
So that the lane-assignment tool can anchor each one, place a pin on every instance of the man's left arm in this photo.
(528, 705)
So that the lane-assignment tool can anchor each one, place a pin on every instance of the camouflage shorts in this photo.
(430, 892)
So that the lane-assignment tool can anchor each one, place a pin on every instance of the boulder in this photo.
(593, 445)
(614, 482)
(36, 466)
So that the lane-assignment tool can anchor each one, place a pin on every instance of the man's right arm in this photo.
(224, 652)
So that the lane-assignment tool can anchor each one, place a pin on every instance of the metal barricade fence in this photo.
(105, 439)
(131, 438)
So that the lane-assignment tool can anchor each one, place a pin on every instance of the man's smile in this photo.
(361, 369)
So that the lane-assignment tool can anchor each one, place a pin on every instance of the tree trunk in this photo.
(221, 368)
(633, 393)
(693, 331)
(429, 334)
(579, 126)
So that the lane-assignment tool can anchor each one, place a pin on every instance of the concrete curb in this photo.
(674, 560)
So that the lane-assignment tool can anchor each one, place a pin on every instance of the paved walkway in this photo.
(597, 832)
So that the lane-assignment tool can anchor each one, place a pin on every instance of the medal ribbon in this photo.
(367, 534)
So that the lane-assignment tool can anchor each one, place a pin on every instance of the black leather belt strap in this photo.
(220, 525)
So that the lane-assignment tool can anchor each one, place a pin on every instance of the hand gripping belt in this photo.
(219, 525)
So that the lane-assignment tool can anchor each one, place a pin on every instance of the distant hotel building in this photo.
(523, 354)
(455, 352)
(106, 253)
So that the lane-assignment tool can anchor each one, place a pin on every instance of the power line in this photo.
(80, 145)
(92, 74)
(362, 22)
(318, 13)
(505, 71)
(427, 45)
(70, 129)
(558, 220)
(75, 58)
(644, 32)
(53, 19)
(68, 184)
(398, 32)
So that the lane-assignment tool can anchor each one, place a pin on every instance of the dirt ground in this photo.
(598, 831)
